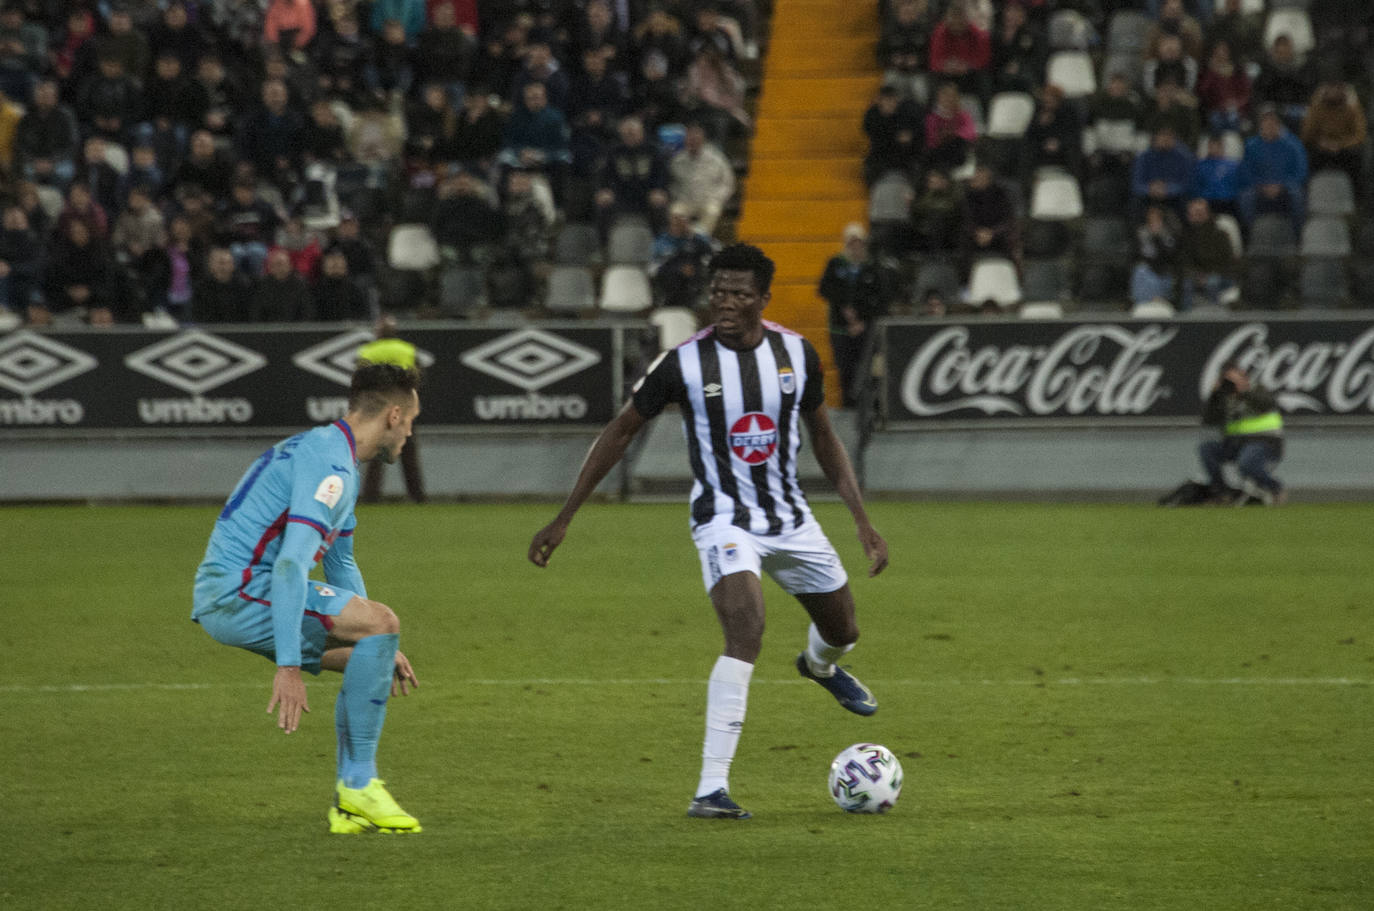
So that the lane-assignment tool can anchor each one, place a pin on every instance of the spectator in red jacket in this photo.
(961, 51)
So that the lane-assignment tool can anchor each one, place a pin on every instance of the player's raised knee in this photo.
(383, 620)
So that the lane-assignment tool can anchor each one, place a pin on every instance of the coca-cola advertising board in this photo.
(1129, 371)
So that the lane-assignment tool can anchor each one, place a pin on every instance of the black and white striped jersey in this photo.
(740, 413)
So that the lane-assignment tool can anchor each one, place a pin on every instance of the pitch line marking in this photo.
(68, 688)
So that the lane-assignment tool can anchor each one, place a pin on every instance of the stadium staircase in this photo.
(805, 177)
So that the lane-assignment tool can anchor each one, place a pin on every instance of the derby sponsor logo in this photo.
(1090, 369)
(753, 438)
(530, 359)
(1318, 376)
(195, 362)
(31, 363)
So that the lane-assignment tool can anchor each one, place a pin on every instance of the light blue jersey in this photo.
(290, 510)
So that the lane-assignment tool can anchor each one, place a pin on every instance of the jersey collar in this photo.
(348, 435)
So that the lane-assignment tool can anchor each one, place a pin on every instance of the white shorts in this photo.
(801, 562)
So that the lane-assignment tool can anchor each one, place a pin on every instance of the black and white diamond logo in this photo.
(530, 358)
(30, 362)
(195, 362)
(335, 358)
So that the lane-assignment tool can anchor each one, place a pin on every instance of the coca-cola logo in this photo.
(1098, 369)
(1304, 376)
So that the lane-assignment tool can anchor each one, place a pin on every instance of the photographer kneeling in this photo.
(1252, 437)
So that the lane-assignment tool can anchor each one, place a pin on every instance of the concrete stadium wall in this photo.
(1108, 463)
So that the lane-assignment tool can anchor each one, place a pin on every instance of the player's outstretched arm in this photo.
(604, 455)
(834, 461)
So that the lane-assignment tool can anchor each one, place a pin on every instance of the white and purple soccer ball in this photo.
(865, 778)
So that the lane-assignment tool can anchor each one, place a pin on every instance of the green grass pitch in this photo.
(1096, 707)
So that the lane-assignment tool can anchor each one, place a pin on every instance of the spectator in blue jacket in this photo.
(1216, 178)
(536, 138)
(410, 13)
(1273, 172)
(1162, 174)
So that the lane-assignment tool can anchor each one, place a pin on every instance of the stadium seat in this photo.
(1157, 308)
(1272, 236)
(412, 248)
(625, 289)
(9, 321)
(1056, 196)
(1266, 282)
(1324, 236)
(994, 279)
(1104, 283)
(1323, 284)
(1228, 223)
(1107, 239)
(1042, 310)
(1127, 32)
(939, 276)
(1127, 63)
(675, 325)
(571, 289)
(577, 244)
(462, 291)
(1107, 194)
(117, 158)
(1073, 72)
(631, 242)
(1296, 24)
(1009, 114)
(1248, 7)
(1045, 280)
(1331, 192)
(1070, 30)
(890, 199)
(1045, 239)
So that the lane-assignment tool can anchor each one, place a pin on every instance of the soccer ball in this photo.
(865, 778)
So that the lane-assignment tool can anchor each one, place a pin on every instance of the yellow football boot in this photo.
(369, 809)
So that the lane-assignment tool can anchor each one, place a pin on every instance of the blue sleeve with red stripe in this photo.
(323, 489)
(340, 570)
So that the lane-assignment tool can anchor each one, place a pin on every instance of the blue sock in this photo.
(360, 709)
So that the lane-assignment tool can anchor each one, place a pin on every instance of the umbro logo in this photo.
(195, 362)
(31, 363)
(530, 359)
(712, 389)
(335, 358)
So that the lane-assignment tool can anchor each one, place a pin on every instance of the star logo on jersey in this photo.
(530, 358)
(754, 438)
(334, 358)
(195, 362)
(30, 363)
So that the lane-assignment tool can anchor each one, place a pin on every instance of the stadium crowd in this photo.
(1157, 154)
(170, 161)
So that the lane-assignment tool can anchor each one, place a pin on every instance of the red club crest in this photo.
(753, 438)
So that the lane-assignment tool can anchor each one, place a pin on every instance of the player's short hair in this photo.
(745, 258)
(378, 386)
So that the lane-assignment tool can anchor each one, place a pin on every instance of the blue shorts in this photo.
(248, 624)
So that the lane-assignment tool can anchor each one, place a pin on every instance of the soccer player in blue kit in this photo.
(292, 509)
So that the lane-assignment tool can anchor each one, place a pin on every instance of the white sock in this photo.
(727, 695)
(821, 655)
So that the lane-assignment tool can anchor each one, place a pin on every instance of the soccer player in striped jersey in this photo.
(744, 386)
(292, 509)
